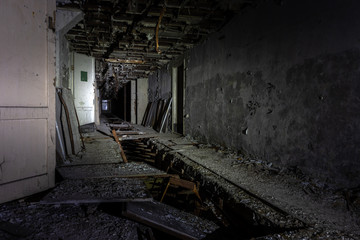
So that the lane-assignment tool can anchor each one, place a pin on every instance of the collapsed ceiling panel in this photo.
(140, 36)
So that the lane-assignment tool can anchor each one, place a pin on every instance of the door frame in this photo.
(176, 102)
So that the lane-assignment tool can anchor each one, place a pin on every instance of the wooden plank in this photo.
(130, 132)
(169, 220)
(68, 121)
(182, 183)
(165, 116)
(120, 125)
(141, 152)
(146, 114)
(121, 149)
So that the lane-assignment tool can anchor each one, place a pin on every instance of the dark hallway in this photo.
(177, 119)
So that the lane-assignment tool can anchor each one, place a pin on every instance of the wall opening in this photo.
(178, 84)
(105, 106)
(122, 105)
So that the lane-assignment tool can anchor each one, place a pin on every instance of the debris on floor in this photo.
(168, 219)
(98, 190)
(70, 222)
(131, 169)
(208, 192)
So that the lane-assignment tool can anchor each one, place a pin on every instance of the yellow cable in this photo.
(157, 29)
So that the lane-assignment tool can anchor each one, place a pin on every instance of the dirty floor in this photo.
(98, 196)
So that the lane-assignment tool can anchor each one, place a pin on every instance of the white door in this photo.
(84, 87)
(27, 93)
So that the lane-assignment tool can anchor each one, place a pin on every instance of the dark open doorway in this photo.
(122, 105)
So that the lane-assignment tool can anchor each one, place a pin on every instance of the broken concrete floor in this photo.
(284, 197)
(100, 197)
(70, 221)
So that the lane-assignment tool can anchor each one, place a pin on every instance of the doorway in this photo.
(122, 105)
(178, 84)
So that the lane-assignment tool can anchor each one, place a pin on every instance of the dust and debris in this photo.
(97, 190)
(65, 222)
(305, 201)
(171, 218)
(107, 170)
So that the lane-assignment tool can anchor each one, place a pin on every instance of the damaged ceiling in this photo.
(137, 37)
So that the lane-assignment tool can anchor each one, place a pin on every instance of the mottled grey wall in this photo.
(65, 20)
(290, 75)
(159, 85)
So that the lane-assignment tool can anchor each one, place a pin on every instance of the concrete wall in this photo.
(133, 102)
(281, 82)
(142, 98)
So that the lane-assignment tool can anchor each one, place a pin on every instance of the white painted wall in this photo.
(142, 98)
(84, 92)
(27, 98)
(65, 20)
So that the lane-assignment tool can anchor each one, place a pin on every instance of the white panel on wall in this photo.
(83, 87)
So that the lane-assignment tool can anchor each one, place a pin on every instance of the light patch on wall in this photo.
(105, 105)
(83, 76)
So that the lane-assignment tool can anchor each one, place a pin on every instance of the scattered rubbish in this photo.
(196, 181)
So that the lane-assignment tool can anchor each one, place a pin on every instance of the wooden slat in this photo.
(121, 149)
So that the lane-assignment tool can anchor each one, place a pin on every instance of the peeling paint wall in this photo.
(65, 20)
(281, 82)
(159, 85)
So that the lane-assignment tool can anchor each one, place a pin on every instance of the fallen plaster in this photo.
(279, 204)
(283, 198)
(98, 190)
(131, 169)
(89, 199)
(53, 222)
